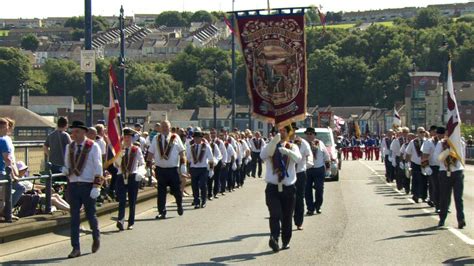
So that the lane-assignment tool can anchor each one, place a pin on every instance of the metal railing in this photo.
(470, 152)
(32, 153)
(7, 184)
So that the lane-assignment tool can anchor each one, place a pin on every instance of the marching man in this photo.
(130, 173)
(256, 145)
(83, 167)
(280, 158)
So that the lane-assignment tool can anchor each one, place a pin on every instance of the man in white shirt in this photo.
(413, 155)
(429, 156)
(83, 167)
(256, 145)
(201, 165)
(395, 147)
(386, 142)
(280, 158)
(213, 181)
(129, 166)
(245, 160)
(451, 176)
(301, 166)
(168, 153)
(316, 173)
(230, 164)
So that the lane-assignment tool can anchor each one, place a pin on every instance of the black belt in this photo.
(199, 168)
(81, 183)
(166, 167)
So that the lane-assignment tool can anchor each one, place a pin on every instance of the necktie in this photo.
(126, 155)
(166, 141)
(78, 151)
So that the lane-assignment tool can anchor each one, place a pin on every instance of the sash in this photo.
(315, 148)
(198, 158)
(257, 143)
(280, 162)
(417, 145)
(165, 151)
(127, 162)
(77, 164)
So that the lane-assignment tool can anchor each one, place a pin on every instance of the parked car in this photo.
(326, 136)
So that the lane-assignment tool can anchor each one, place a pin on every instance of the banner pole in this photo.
(233, 68)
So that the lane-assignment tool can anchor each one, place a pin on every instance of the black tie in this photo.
(166, 141)
(78, 151)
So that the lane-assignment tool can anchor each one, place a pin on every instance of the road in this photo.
(364, 221)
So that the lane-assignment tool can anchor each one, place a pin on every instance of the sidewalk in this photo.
(46, 223)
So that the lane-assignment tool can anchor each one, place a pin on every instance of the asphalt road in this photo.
(364, 221)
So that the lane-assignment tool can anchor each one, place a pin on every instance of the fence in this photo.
(30, 152)
(470, 152)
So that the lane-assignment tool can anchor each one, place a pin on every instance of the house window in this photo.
(260, 125)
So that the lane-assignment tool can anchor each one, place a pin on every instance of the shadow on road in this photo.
(233, 239)
(465, 260)
(405, 236)
(39, 261)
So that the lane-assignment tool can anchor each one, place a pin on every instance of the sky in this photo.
(66, 8)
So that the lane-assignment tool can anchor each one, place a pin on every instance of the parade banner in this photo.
(273, 47)
(324, 119)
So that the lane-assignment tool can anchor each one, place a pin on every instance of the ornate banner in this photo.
(273, 47)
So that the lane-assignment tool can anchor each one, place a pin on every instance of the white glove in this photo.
(239, 163)
(183, 169)
(402, 165)
(273, 143)
(234, 166)
(247, 160)
(211, 173)
(295, 157)
(65, 171)
(427, 171)
(138, 177)
(408, 165)
(95, 192)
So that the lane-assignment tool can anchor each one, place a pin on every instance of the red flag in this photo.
(322, 18)
(454, 122)
(229, 25)
(114, 128)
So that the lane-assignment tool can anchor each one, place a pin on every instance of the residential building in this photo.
(19, 23)
(28, 124)
(465, 99)
(46, 105)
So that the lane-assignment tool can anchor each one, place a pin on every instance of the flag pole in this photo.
(233, 67)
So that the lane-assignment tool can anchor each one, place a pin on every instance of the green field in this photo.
(3, 33)
(352, 25)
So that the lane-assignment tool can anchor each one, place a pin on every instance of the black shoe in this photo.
(161, 216)
(310, 213)
(223, 194)
(273, 244)
(130, 227)
(120, 226)
(441, 223)
(319, 211)
(415, 199)
(216, 197)
(74, 254)
(461, 224)
(431, 204)
(203, 205)
(180, 210)
(95, 245)
(285, 246)
(209, 198)
(196, 206)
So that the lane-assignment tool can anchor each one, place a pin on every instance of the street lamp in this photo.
(214, 100)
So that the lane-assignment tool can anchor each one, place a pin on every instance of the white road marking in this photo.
(454, 231)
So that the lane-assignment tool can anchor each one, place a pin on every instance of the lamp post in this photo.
(214, 100)
(233, 67)
(88, 75)
(123, 96)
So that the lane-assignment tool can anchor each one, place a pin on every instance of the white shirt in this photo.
(102, 145)
(244, 149)
(458, 165)
(385, 147)
(222, 149)
(216, 152)
(206, 159)
(173, 158)
(271, 178)
(253, 146)
(92, 167)
(139, 161)
(306, 157)
(395, 147)
(403, 150)
(230, 153)
(320, 155)
(411, 150)
(428, 148)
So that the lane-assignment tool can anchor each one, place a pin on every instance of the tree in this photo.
(198, 96)
(203, 16)
(427, 18)
(98, 23)
(30, 42)
(312, 16)
(14, 71)
(171, 19)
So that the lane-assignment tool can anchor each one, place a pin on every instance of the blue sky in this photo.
(57, 8)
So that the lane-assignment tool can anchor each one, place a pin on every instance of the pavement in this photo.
(364, 221)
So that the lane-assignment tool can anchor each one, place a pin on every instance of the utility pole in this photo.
(215, 100)
(233, 66)
(88, 75)
(122, 83)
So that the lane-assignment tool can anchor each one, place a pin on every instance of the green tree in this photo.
(203, 16)
(198, 96)
(171, 19)
(30, 42)
(98, 23)
(427, 18)
(14, 70)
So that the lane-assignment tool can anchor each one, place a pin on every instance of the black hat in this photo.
(78, 124)
(433, 128)
(310, 130)
(293, 125)
(138, 125)
(440, 130)
(197, 134)
(128, 132)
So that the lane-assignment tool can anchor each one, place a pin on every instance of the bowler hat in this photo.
(129, 132)
(79, 124)
(197, 134)
(310, 130)
(440, 130)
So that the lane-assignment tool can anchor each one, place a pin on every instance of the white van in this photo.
(327, 137)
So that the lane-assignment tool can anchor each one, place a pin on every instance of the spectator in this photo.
(55, 145)
(469, 141)
(100, 139)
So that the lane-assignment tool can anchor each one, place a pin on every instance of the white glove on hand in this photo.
(95, 192)
(239, 163)
(65, 171)
(273, 143)
(183, 169)
(408, 165)
(211, 173)
(234, 166)
(284, 151)
(290, 153)
(138, 177)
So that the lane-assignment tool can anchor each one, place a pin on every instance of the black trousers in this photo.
(213, 184)
(399, 174)
(223, 178)
(390, 170)
(299, 202)
(79, 195)
(281, 206)
(453, 184)
(256, 163)
(433, 186)
(168, 177)
(131, 188)
(199, 178)
(419, 182)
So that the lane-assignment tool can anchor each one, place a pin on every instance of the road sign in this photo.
(88, 61)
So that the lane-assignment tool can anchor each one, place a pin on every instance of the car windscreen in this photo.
(325, 137)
